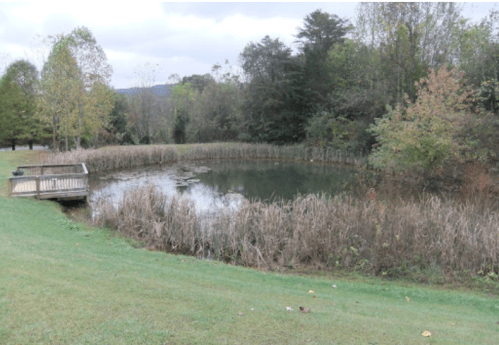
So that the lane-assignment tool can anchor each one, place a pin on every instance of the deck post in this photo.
(10, 187)
(38, 187)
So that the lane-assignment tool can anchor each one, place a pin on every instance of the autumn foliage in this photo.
(433, 130)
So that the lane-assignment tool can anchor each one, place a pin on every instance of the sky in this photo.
(165, 38)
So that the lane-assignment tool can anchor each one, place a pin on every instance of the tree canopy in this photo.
(18, 89)
(75, 66)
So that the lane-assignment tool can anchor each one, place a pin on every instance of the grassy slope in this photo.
(62, 282)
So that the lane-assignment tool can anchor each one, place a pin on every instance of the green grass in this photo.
(67, 283)
(9, 160)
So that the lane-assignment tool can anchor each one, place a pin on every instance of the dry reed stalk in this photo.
(318, 231)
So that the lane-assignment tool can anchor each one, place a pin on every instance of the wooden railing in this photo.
(49, 181)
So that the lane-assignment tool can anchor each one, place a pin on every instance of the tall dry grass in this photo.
(117, 157)
(266, 151)
(126, 157)
(312, 230)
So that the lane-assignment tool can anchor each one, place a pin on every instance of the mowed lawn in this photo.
(67, 283)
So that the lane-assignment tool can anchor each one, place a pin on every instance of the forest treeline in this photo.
(413, 84)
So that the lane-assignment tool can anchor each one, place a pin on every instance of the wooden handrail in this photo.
(65, 184)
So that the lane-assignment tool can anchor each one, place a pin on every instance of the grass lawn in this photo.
(67, 283)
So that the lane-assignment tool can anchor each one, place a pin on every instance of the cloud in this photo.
(184, 38)
(188, 44)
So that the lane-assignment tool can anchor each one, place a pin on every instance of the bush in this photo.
(431, 131)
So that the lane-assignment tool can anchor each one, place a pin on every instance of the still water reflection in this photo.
(219, 184)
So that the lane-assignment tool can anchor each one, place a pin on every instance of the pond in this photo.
(220, 184)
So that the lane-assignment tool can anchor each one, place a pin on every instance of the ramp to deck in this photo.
(51, 181)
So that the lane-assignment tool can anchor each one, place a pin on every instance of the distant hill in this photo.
(158, 90)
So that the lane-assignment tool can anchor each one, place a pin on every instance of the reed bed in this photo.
(313, 230)
(126, 157)
(117, 157)
(266, 151)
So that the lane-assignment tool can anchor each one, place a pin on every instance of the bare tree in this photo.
(144, 101)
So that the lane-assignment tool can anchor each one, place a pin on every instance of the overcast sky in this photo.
(182, 38)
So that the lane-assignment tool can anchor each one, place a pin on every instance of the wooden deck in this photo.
(51, 181)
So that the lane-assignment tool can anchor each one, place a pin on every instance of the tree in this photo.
(101, 103)
(409, 38)
(19, 90)
(277, 100)
(184, 98)
(219, 112)
(181, 120)
(118, 116)
(59, 93)
(144, 101)
(321, 33)
(12, 106)
(199, 82)
(431, 130)
(89, 65)
(479, 50)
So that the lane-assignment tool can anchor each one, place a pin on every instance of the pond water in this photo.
(219, 184)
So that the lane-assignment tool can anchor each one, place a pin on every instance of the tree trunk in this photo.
(30, 143)
(79, 126)
(66, 140)
(13, 142)
(53, 133)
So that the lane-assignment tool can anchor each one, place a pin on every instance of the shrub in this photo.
(429, 132)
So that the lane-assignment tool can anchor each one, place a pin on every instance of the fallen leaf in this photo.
(334, 286)
(77, 244)
(305, 310)
(453, 324)
(426, 334)
(310, 291)
(314, 296)
(240, 314)
(289, 309)
(407, 299)
(252, 309)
